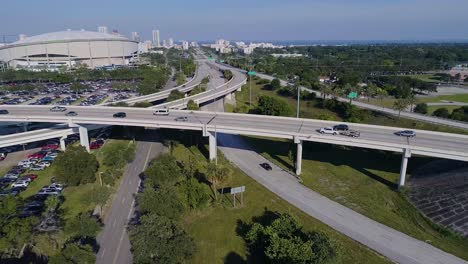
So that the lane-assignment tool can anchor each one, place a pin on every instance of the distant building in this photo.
(22, 36)
(102, 29)
(185, 45)
(170, 42)
(156, 41)
(287, 55)
(193, 44)
(136, 36)
(459, 72)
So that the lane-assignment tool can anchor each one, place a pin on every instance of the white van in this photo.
(161, 112)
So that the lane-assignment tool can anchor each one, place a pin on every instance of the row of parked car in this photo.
(20, 176)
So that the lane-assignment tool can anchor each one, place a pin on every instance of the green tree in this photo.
(268, 105)
(421, 108)
(175, 95)
(162, 201)
(74, 254)
(160, 240)
(195, 194)
(82, 226)
(441, 112)
(180, 78)
(118, 153)
(164, 171)
(217, 175)
(142, 104)
(275, 84)
(282, 240)
(400, 105)
(52, 203)
(76, 166)
(227, 74)
(191, 105)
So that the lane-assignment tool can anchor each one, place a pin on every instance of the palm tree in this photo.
(411, 101)
(381, 94)
(400, 105)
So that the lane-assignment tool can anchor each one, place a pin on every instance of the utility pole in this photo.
(298, 100)
(250, 81)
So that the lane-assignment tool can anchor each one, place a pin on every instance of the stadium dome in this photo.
(68, 49)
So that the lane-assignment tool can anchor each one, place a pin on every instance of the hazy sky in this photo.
(244, 19)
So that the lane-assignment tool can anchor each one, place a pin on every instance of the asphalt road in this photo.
(389, 242)
(113, 240)
(248, 125)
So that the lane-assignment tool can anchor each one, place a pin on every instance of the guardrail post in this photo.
(62, 143)
(84, 139)
(404, 163)
(298, 155)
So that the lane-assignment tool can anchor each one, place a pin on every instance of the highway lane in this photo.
(248, 125)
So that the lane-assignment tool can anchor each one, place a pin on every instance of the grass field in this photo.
(214, 228)
(365, 181)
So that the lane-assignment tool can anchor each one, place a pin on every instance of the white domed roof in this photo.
(68, 36)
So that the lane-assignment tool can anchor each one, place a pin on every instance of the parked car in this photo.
(56, 186)
(351, 133)
(36, 168)
(49, 147)
(181, 119)
(47, 191)
(30, 176)
(341, 127)
(20, 184)
(71, 113)
(328, 130)
(266, 166)
(58, 109)
(52, 155)
(95, 145)
(2, 156)
(11, 176)
(161, 112)
(4, 112)
(48, 158)
(406, 133)
(120, 115)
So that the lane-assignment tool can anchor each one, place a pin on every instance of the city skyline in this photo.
(272, 20)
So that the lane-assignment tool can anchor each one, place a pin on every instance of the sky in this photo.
(275, 20)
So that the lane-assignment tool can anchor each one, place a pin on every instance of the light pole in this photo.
(298, 100)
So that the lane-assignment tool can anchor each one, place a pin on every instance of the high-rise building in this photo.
(102, 29)
(185, 45)
(170, 42)
(136, 36)
(156, 41)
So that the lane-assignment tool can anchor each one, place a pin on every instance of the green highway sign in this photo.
(352, 95)
(210, 59)
(252, 73)
(222, 61)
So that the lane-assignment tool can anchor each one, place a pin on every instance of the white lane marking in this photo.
(103, 252)
(123, 200)
(130, 182)
(115, 221)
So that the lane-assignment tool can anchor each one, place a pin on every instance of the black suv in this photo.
(4, 112)
(120, 115)
(266, 166)
(341, 127)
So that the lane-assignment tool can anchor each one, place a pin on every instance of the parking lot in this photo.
(62, 94)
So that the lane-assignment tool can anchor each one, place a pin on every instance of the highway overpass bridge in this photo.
(426, 143)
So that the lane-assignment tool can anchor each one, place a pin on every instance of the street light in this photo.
(298, 100)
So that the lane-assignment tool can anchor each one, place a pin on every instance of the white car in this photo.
(162, 112)
(43, 164)
(328, 130)
(20, 184)
(25, 163)
(56, 186)
(58, 109)
(47, 191)
(52, 155)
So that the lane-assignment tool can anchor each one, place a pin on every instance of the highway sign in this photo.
(352, 95)
(252, 73)
(222, 61)
(210, 59)
(238, 190)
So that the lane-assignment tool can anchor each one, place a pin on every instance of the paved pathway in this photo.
(113, 240)
(391, 243)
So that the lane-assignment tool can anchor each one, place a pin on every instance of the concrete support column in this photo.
(213, 145)
(62, 143)
(84, 139)
(298, 156)
(404, 164)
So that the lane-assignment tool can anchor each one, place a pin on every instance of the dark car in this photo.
(266, 166)
(406, 133)
(341, 127)
(4, 112)
(71, 113)
(120, 115)
(351, 133)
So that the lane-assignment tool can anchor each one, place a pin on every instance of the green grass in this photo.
(365, 181)
(214, 228)
(450, 108)
(437, 99)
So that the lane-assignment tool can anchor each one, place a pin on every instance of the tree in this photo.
(52, 203)
(275, 84)
(164, 171)
(381, 94)
(227, 74)
(191, 105)
(76, 166)
(195, 194)
(180, 78)
(143, 104)
(421, 108)
(216, 175)
(400, 105)
(411, 100)
(162, 201)
(82, 226)
(441, 112)
(158, 239)
(175, 95)
(268, 105)
(282, 240)
(73, 253)
(118, 153)
(371, 91)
